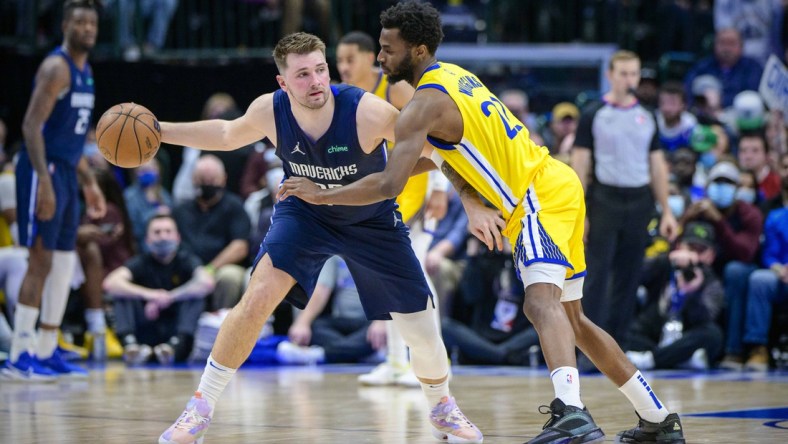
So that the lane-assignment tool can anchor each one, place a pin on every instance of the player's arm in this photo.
(52, 78)
(580, 160)
(400, 94)
(483, 222)
(411, 129)
(94, 197)
(224, 135)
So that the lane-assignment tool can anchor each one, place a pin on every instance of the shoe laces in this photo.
(189, 419)
(453, 416)
(546, 410)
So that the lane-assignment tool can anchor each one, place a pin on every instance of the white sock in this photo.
(214, 379)
(566, 383)
(435, 392)
(47, 342)
(24, 338)
(95, 319)
(646, 403)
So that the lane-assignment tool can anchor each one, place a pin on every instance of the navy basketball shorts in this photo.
(377, 252)
(60, 232)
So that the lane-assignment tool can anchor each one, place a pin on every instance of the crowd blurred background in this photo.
(715, 297)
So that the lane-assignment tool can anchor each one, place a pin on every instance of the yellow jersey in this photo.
(413, 195)
(495, 155)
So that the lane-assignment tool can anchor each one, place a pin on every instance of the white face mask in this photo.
(746, 195)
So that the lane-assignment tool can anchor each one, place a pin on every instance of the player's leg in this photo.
(430, 364)
(396, 368)
(656, 423)
(57, 287)
(551, 207)
(237, 336)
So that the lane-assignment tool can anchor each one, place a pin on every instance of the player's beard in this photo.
(403, 72)
(306, 103)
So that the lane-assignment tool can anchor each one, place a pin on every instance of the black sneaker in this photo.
(668, 431)
(567, 425)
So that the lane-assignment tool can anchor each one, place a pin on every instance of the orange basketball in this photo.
(128, 135)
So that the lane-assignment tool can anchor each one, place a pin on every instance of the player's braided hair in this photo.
(418, 23)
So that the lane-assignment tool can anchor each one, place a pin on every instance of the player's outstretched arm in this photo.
(411, 130)
(224, 135)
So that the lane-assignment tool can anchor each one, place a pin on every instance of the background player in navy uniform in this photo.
(54, 129)
(334, 136)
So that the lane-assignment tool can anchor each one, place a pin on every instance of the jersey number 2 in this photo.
(501, 110)
(82, 123)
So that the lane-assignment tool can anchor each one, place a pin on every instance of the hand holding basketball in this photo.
(128, 135)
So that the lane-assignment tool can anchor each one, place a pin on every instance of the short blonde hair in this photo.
(296, 43)
(621, 56)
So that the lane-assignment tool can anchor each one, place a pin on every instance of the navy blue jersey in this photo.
(334, 160)
(65, 129)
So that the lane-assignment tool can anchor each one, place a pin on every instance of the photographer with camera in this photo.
(679, 327)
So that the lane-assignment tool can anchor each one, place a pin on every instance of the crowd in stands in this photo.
(710, 292)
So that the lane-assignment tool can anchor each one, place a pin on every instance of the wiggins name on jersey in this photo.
(495, 155)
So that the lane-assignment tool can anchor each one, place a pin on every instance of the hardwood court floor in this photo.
(325, 405)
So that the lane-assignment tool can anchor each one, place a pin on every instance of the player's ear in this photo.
(422, 52)
(281, 81)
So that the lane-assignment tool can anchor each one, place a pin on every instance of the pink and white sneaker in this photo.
(191, 426)
(450, 425)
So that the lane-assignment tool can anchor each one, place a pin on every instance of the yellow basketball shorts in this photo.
(552, 219)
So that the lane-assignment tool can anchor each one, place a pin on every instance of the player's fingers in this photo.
(487, 238)
(498, 239)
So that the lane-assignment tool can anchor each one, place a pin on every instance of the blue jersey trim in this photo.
(440, 145)
(437, 86)
(432, 67)
(503, 193)
(578, 275)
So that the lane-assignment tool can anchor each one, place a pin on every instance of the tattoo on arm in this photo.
(458, 182)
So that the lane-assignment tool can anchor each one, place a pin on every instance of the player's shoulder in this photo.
(53, 69)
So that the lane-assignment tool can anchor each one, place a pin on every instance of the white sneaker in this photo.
(289, 353)
(384, 374)
(642, 360)
(698, 361)
(136, 354)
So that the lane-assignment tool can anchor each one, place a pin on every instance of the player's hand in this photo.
(94, 198)
(376, 334)
(300, 187)
(300, 333)
(486, 224)
(437, 205)
(45, 199)
(668, 227)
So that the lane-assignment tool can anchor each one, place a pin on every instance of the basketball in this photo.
(128, 135)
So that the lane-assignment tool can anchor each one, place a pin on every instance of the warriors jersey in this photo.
(412, 197)
(495, 155)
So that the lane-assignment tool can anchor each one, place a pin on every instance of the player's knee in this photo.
(39, 262)
(540, 302)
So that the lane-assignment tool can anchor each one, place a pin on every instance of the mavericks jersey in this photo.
(333, 160)
(413, 195)
(67, 126)
(495, 155)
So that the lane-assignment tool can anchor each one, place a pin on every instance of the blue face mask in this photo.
(722, 194)
(148, 178)
(162, 248)
(676, 204)
(746, 195)
(708, 159)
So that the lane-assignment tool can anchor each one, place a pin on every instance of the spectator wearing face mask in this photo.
(146, 198)
(738, 224)
(216, 228)
(748, 188)
(159, 296)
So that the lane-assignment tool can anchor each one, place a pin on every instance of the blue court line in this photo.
(764, 413)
